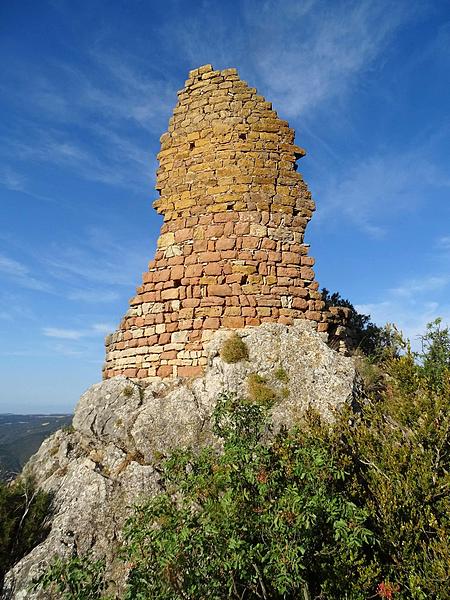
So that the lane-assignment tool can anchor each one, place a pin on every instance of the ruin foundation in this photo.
(231, 252)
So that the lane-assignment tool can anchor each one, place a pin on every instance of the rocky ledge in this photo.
(107, 461)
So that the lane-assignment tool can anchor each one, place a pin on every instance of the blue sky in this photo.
(86, 90)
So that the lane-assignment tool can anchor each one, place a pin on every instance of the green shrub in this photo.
(352, 511)
(23, 513)
(258, 521)
(79, 578)
(128, 391)
(281, 375)
(259, 391)
(234, 349)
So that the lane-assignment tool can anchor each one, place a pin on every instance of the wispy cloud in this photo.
(418, 286)
(444, 242)
(301, 54)
(370, 191)
(97, 329)
(412, 304)
(96, 258)
(64, 334)
(97, 122)
(20, 274)
(11, 179)
(93, 295)
(306, 57)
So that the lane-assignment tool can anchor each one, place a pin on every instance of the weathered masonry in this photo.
(231, 252)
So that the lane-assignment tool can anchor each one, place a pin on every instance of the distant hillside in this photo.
(21, 436)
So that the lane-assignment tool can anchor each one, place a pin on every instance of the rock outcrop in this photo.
(109, 460)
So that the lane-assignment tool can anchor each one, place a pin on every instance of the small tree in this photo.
(24, 510)
(258, 521)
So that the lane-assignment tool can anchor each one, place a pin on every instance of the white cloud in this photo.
(371, 190)
(444, 242)
(97, 258)
(77, 334)
(94, 296)
(20, 275)
(97, 122)
(11, 179)
(417, 286)
(104, 328)
(301, 54)
(412, 305)
(63, 334)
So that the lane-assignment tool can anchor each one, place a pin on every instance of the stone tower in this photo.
(231, 252)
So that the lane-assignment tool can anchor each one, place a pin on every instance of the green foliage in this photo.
(281, 375)
(436, 354)
(128, 391)
(352, 511)
(234, 349)
(259, 391)
(259, 520)
(79, 578)
(68, 429)
(23, 512)
(396, 452)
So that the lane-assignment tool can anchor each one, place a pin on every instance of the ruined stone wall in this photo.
(231, 251)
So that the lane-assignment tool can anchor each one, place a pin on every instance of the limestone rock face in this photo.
(231, 251)
(120, 429)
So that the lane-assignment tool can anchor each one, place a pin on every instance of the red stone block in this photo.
(219, 290)
(164, 338)
(225, 243)
(300, 303)
(164, 371)
(226, 216)
(130, 372)
(213, 269)
(214, 231)
(170, 294)
(161, 275)
(252, 321)
(177, 272)
(211, 323)
(242, 228)
(233, 322)
(228, 229)
(208, 256)
(191, 302)
(291, 258)
(181, 235)
(307, 273)
(228, 254)
(189, 371)
(313, 315)
(267, 244)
